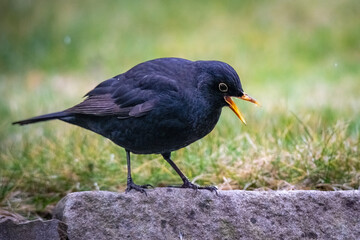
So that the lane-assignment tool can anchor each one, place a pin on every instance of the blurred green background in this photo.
(300, 59)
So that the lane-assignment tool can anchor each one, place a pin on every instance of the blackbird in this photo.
(157, 107)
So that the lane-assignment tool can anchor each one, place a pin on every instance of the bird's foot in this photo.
(140, 188)
(188, 184)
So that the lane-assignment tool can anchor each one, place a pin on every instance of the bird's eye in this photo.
(223, 87)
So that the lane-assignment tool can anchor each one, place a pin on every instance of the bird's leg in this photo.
(187, 183)
(130, 183)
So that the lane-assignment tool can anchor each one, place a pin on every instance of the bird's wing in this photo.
(124, 98)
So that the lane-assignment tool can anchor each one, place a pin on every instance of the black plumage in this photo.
(158, 106)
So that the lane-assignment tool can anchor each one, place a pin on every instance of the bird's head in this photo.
(220, 82)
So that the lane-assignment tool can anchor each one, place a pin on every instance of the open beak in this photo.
(233, 106)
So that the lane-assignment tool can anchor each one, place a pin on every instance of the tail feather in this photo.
(41, 118)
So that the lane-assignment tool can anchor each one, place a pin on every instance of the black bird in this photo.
(158, 106)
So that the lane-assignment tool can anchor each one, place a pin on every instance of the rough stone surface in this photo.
(32, 230)
(166, 213)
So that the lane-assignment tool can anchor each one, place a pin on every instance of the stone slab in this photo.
(169, 213)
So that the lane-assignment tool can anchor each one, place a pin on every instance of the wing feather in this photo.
(132, 94)
(99, 105)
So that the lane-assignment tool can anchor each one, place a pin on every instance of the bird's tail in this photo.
(46, 117)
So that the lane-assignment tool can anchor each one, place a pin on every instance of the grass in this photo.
(300, 60)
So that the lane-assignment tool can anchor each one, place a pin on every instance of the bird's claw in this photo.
(196, 187)
(210, 188)
(188, 184)
(139, 188)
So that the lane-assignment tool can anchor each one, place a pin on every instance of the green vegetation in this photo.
(299, 59)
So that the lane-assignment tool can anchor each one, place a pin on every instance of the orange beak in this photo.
(233, 106)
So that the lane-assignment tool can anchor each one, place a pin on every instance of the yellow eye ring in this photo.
(223, 87)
